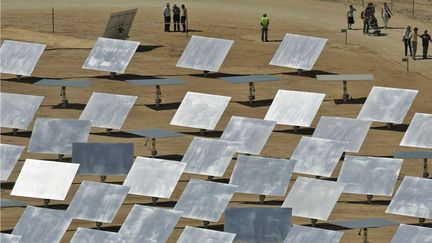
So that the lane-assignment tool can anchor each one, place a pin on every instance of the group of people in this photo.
(369, 19)
(410, 39)
(180, 15)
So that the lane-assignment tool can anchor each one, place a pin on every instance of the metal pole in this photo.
(63, 95)
(102, 178)
(407, 65)
(15, 131)
(314, 222)
(251, 92)
(369, 198)
(262, 198)
(52, 16)
(425, 168)
(154, 201)
(46, 202)
(345, 91)
(365, 235)
(206, 224)
(346, 37)
(158, 99)
(153, 147)
(98, 225)
(413, 8)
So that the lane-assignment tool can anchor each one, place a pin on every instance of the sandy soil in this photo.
(79, 23)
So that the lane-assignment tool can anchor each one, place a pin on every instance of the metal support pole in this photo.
(19, 77)
(206, 224)
(154, 201)
(425, 168)
(15, 131)
(346, 37)
(365, 235)
(98, 225)
(153, 147)
(262, 198)
(413, 6)
(46, 202)
(210, 178)
(102, 178)
(109, 130)
(314, 222)
(112, 75)
(60, 157)
(421, 221)
(389, 125)
(158, 99)
(202, 131)
(52, 17)
(296, 129)
(345, 95)
(251, 92)
(407, 61)
(299, 71)
(206, 73)
(369, 198)
(63, 96)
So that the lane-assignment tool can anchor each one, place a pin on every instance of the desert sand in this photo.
(78, 23)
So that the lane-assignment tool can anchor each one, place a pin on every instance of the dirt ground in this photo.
(78, 23)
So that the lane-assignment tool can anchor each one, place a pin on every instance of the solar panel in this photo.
(42, 225)
(18, 110)
(9, 238)
(108, 110)
(370, 175)
(64, 83)
(263, 176)
(191, 234)
(317, 156)
(83, 235)
(205, 200)
(364, 223)
(97, 201)
(352, 131)
(294, 108)
(110, 55)
(413, 198)
(19, 58)
(119, 24)
(306, 234)
(419, 133)
(204, 53)
(44, 179)
(209, 156)
(103, 158)
(298, 51)
(11, 203)
(388, 105)
(251, 134)
(199, 110)
(312, 198)
(9, 155)
(148, 224)
(154, 177)
(413, 155)
(155, 133)
(258, 224)
(56, 136)
(412, 234)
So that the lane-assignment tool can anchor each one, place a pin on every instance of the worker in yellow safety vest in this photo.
(264, 27)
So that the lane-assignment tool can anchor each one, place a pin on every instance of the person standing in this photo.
(413, 38)
(406, 40)
(265, 22)
(367, 15)
(386, 14)
(426, 38)
(350, 16)
(167, 17)
(176, 18)
(184, 16)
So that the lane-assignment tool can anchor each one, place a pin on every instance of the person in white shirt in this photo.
(350, 16)
(167, 17)
(386, 14)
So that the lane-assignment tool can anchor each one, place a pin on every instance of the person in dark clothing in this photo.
(184, 16)
(265, 22)
(406, 40)
(367, 16)
(176, 18)
(426, 38)
(167, 17)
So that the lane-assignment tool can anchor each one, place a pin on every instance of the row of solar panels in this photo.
(201, 53)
